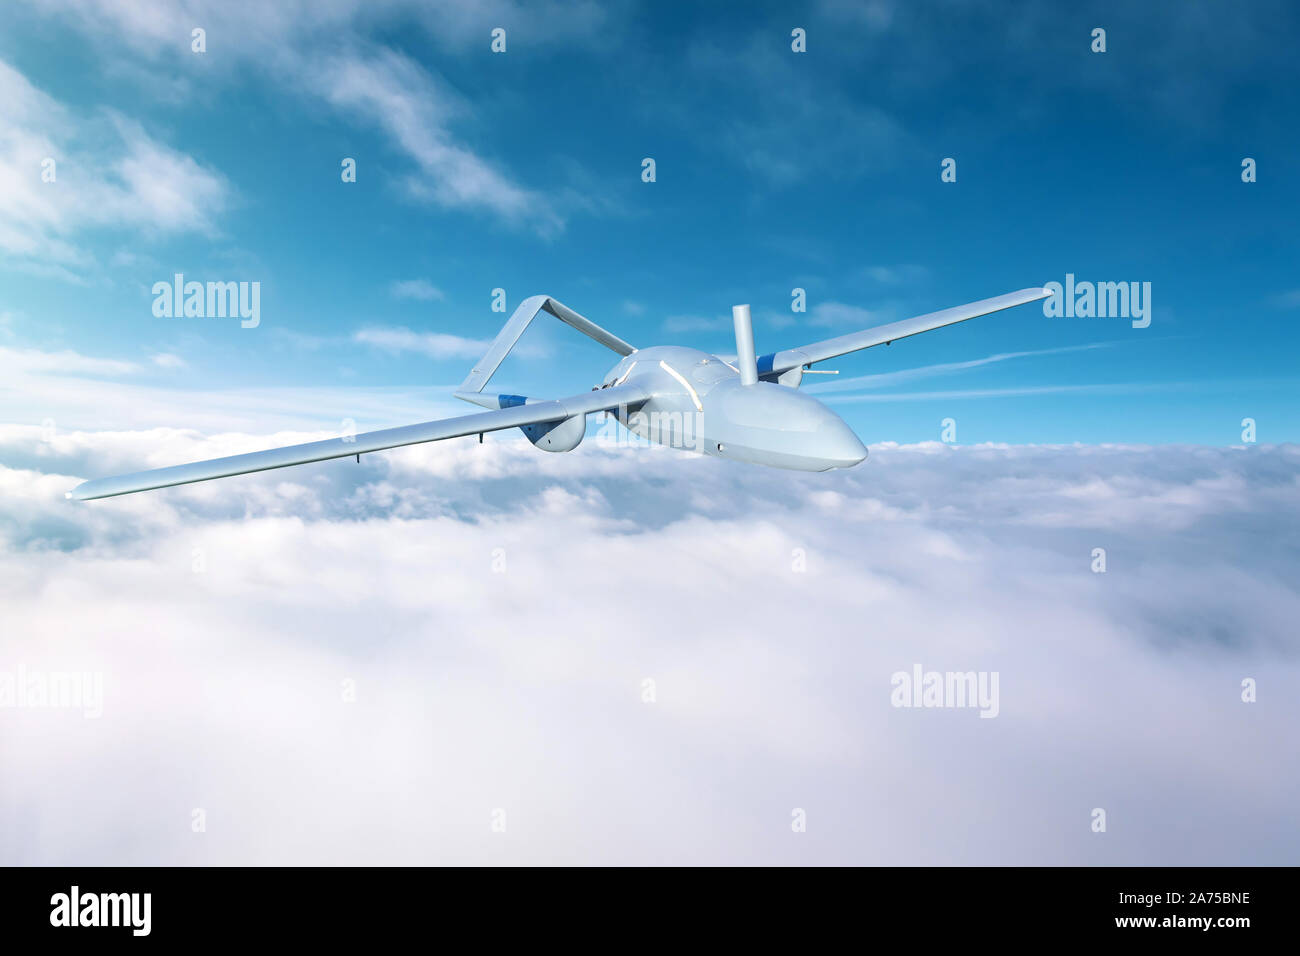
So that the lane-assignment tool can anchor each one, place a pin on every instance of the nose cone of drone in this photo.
(837, 444)
(775, 425)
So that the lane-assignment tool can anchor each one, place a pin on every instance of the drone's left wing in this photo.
(532, 413)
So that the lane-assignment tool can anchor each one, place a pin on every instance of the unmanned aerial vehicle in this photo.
(749, 409)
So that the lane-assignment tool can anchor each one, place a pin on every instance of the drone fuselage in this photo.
(698, 403)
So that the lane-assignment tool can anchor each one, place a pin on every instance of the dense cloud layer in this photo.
(498, 610)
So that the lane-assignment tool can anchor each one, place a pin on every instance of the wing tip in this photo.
(80, 493)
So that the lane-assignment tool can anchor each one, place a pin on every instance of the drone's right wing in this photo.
(778, 362)
(513, 416)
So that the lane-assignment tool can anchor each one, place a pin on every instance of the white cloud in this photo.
(1019, 391)
(438, 345)
(322, 51)
(68, 388)
(894, 275)
(498, 609)
(163, 26)
(160, 188)
(108, 174)
(902, 376)
(841, 313)
(697, 323)
(17, 362)
(831, 314)
(393, 91)
(420, 289)
(168, 360)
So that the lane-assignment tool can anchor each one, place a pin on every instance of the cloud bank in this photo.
(495, 613)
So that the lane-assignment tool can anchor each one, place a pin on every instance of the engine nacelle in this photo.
(564, 435)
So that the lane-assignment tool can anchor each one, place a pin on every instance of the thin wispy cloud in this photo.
(896, 275)
(422, 290)
(1105, 388)
(826, 314)
(81, 393)
(17, 362)
(324, 51)
(437, 345)
(391, 90)
(64, 175)
(697, 323)
(169, 360)
(887, 379)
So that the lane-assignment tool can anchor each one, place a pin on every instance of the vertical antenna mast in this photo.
(745, 360)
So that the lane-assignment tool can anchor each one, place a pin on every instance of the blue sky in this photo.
(775, 170)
